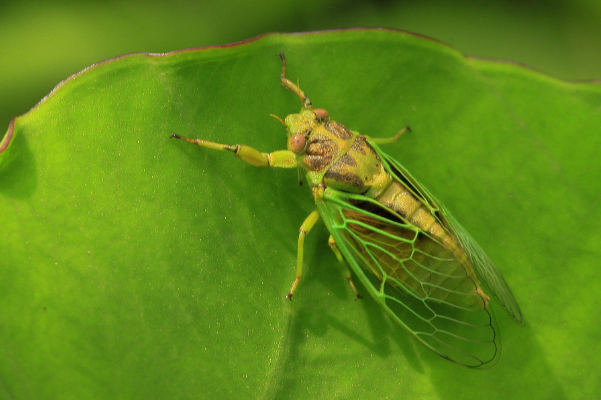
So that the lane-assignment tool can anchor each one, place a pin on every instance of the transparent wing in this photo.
(415, 279)
(419, 282)
(485, 269)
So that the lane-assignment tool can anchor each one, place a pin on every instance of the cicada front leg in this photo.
(279, 159)
(288, 84)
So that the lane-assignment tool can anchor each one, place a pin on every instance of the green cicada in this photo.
(409, 253)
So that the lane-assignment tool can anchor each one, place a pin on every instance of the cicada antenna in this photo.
(278, 118)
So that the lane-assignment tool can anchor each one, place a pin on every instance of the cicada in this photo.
(409, 253)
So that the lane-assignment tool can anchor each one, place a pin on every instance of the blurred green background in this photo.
(42, 43)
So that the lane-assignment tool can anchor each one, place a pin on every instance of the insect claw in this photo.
(283, 74)
(399, 133)
(174, 135)
(289, 296)
(358, 297)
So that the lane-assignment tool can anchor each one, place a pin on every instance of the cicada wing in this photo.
(484, 268)
(414, 278)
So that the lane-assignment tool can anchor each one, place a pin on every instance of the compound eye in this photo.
(296, 143)
(321, 113)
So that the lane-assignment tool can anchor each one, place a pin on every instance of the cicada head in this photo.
(301, 125)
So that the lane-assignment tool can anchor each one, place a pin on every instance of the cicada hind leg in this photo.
(344, 266)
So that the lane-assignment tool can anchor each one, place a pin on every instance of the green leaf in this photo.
(134, 266)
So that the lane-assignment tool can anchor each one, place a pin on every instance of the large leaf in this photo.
(134, 266)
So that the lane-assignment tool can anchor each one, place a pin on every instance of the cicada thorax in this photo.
(340, 159)
(344, 161)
